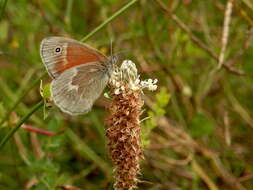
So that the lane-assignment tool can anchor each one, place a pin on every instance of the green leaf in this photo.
(247, 65)
(201, 126)
(3, 30)
(163, 97)
(2, 111)
(46, 93)
(162, 100)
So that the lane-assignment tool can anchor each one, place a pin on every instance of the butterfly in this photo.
(79, 72)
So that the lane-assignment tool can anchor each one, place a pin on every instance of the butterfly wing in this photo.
(59, 54)
(75, 90)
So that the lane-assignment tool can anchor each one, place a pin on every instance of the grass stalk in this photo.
(68, 14)
(85, 151)
(108, 20)
(19, 124)
(3, 4)
(21, 97)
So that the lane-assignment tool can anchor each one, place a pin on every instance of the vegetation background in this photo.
(201, 127)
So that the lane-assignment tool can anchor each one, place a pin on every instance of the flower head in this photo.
(126, 76)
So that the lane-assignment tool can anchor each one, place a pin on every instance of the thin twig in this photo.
(242, 11)
(196, 40)
(245, 178)
(225, 33)
(35, 143)
(227, 129)
(21, 148)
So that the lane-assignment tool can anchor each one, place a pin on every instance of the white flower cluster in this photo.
(150, 84)
(127, 77)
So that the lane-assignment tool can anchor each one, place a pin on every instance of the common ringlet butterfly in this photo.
(80, 73)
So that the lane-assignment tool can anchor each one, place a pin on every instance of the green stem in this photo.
(18, 125)
(108, 20)
(21, 97)
(3, 4)
(68, 14)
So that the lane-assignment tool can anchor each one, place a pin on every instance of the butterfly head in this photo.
(114, 59)
(112, 64)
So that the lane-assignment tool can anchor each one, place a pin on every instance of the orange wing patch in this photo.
(78, 54)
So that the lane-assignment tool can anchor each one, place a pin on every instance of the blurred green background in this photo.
(200, 133)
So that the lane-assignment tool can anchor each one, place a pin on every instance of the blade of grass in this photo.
(242, 111)
(3, 4)
(11, 97)
(18, 125)
(108, 20)
(98, 125)
(248, 3)
(26, 80)
(83, 173)
(68, 14)
(21, 97)
(177, 109)
(84, 150)
(203, 175)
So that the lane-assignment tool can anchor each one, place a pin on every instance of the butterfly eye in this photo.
(58, 50)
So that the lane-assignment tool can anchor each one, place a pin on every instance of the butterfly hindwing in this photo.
(76, 89)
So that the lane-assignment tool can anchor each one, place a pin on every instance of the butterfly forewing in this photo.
(59, 54)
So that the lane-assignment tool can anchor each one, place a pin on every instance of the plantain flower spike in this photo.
(123, 123)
